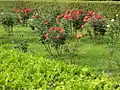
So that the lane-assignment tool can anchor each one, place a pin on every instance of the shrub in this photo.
(23, 14)
(8, 20)
(24, 71)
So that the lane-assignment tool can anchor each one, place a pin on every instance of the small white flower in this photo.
(112, 20)
(117, 15)
(36, 14)
(31, 19)
(108, 25)
(2, 13)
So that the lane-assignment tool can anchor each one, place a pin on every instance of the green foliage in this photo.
(108, 8)
(8, 20)
(20, 71)
(114, 36)
(22, 46)
(23, 71)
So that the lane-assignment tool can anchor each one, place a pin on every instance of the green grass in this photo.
(89, 54)
(36, 69)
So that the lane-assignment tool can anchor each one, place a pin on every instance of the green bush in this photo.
(20, 71)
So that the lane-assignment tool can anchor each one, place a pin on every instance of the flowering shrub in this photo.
(55, 36)
(77, 19)
(23, 14)
(39, 24)
(56, 33)
(96, 27)
(74, 20)
(18, 15)
(71, 23)
(98, 23)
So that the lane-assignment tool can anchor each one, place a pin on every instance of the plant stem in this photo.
(48, 50)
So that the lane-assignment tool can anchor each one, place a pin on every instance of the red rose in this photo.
(80, 10)
(29, 10)
(14, 9)
(77, 18)
(58, 17)
(46, 35)
(74, 12)
(90, 13)
(36, 16)
(61, 31)
(77, 12)
(50, 29)
(65, 16)
(57, 28)
(69, 16)
(57, 37)
(86, 18)
(97, 16)
(25, 11)
(82, 26)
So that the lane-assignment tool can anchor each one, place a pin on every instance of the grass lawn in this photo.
(77, 62)
(96, 56)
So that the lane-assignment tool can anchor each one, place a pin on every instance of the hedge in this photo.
(23, 71)
(109, 8)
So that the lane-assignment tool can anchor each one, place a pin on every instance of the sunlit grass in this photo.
(88, 54)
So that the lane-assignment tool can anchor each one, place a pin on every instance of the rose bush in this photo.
(55, 37)
(76, 19)
(23, 14)
(56, 30)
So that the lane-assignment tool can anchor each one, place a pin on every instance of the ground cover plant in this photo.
(24, 71)
(59, 49)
